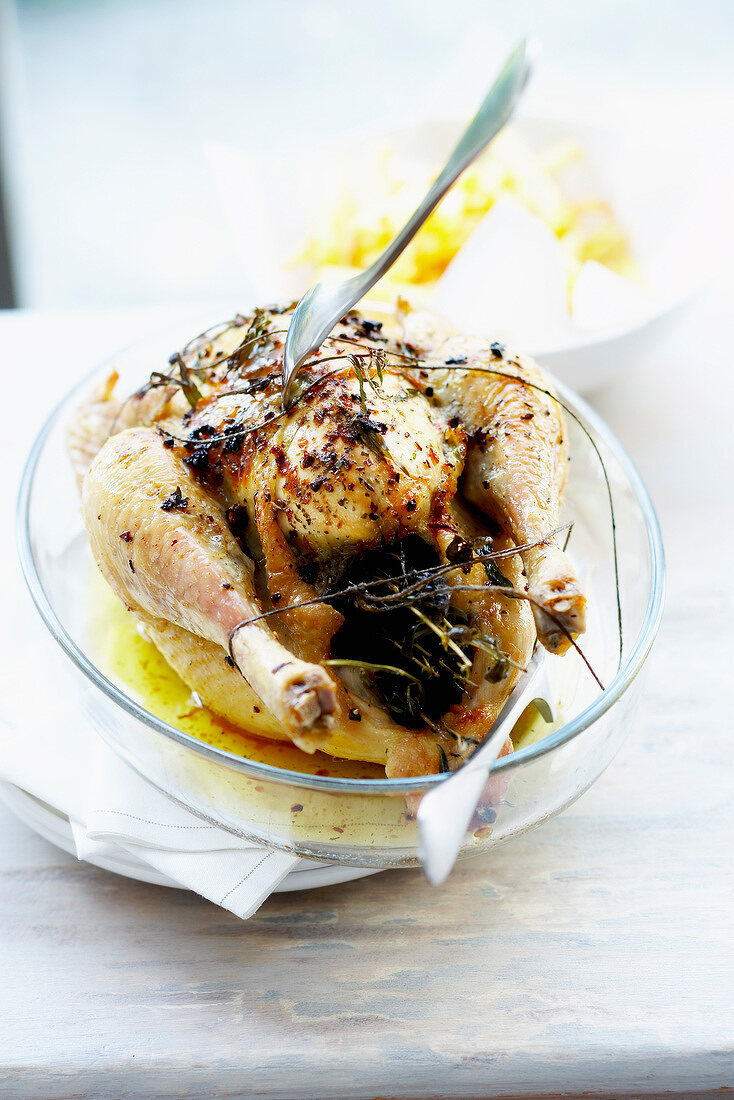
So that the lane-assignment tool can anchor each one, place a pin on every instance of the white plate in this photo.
(54, 826)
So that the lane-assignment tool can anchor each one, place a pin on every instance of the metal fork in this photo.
(324, 304)
(446, 810)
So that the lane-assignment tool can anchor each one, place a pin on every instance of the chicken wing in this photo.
(517, 458)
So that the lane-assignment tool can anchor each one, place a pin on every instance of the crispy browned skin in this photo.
(275, 504)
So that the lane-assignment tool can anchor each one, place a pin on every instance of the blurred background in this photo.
(110, 111)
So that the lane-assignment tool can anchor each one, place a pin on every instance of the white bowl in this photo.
(665, 202)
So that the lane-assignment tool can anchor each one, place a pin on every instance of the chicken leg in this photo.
(166, 550)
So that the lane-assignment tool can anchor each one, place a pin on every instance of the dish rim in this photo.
(622, 680)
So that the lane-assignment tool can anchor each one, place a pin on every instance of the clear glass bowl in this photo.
(364, 822)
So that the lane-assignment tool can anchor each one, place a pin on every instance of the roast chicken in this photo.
(366, 574)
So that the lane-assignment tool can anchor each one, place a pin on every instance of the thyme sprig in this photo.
(363, 366)
(424, 635)
(369, 370)
(410, 361)
(191, 391)
(369, 666)
(431, 640)
(257, 342)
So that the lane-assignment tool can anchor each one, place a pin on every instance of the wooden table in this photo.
(591, 957)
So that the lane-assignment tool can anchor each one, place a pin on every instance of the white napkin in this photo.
(122, 810)
(48, 749)
(57, 758)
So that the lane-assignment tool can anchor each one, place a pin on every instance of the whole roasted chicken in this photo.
(365, 574)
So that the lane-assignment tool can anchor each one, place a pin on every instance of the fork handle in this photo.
(488, 121)
(310, 325)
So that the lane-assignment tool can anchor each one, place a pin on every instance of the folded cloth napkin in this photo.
(48, 749)
(121, 809)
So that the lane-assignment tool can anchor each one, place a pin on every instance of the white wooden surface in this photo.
(593, 956)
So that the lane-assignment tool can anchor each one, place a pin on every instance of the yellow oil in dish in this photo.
(127, 658)
(130, 660)
(324, 824)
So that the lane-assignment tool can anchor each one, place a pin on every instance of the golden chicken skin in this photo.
(366, 573)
